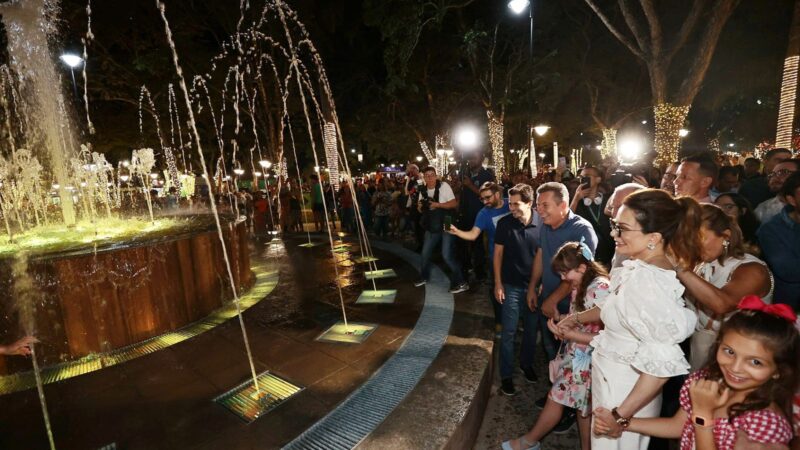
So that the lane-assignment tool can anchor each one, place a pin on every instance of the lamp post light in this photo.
(419, 159)
(683, 132)
(73, 61)
(265, 164)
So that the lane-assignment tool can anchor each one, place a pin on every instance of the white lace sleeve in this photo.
(653, 311)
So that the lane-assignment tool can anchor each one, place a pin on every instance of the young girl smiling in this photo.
(746, 389)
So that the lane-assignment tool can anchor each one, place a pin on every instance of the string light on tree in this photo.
(669, 121)
(783, 138)
(609, 145)
(496, 141)
(331, 155)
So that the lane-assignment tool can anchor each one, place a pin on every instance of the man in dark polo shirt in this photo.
(516, 241)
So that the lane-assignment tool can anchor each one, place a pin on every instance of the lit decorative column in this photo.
(331, 155)
(669, 121)
(531, 158)
(609, 146)
(496, 141)
(783, 138)
(430, 156)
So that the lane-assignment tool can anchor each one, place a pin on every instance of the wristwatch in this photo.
(624, 422)
(701, 421)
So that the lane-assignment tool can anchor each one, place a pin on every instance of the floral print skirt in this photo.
(572, 386)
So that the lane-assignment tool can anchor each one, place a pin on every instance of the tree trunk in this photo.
(669, 121)
(609, 147)
(783, 138)
(496, 141)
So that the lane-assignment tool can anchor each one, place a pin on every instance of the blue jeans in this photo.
(381, 225)
(496, 306)
(448, 252)
(513, 306)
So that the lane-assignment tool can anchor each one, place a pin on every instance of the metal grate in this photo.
(377, 296)
(353, 333)
(245, 402)
(377, 274)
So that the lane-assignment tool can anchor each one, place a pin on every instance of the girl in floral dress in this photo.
(572, 381)
(744, 393)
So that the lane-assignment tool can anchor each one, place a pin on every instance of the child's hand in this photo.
(706, 397)
(555, 329)
(604, 423)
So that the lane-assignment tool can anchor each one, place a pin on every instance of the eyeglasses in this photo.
(616, 229)
(781, 173)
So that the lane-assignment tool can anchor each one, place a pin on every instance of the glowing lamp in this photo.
(518, 6)
(541, 130)
(154, 175)
(467, 138)
(419, 158)
(630, 148)
(238, 172)
(256, 174)
(683, 132)
(265, 164)
(123, 178)
(71, 59)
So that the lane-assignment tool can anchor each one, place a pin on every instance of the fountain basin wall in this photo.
(99, 301)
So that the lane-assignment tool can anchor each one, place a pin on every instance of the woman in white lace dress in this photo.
(644, 314)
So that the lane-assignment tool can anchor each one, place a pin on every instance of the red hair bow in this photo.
(754, 303)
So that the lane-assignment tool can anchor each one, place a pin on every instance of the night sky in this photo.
(380, 108)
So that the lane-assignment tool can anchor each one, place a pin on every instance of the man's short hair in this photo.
(429, 169)
(726, 170)
(412, 166)
(752, 160)
(775, 151)
(791, 185)
(708, 167)
(525, 192)
(633, 187)
(558, 189)
(491, 186)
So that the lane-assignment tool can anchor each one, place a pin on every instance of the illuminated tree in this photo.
(789, 84)
(647, 40)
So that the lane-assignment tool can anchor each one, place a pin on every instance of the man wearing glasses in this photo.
(494, 209)
(775, 179)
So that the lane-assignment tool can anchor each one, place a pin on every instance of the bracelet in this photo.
(623, 422)
(578, 318)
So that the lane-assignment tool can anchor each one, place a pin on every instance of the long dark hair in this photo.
(747, 220)
(678, 220)
(569, 257)
(715, 219)
(778, 336)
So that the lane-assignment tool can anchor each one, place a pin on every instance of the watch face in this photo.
(700, 421)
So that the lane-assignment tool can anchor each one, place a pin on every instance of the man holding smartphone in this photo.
(436, 205)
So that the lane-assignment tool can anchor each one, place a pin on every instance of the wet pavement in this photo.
(164, 400)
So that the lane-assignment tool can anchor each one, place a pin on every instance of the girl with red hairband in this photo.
(746, 389)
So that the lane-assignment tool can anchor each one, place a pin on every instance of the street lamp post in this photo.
(518, 7)
(73, 61)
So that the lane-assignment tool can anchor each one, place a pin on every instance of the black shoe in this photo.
(507, 387)
(459, 289)
(420, 282)
(540, 403)
(530, 375)
(566, 422)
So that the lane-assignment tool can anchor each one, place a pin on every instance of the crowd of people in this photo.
(665, 301)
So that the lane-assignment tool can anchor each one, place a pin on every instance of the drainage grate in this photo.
(377, 296)
(383, 273)
(243, 400)
(353, 333)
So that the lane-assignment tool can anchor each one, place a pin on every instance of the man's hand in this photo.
(556, 330)
(549, 309)
(20, 347)
(532, 299)
(499, 293)
(435, 205)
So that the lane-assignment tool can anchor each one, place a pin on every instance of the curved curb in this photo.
(369, 405)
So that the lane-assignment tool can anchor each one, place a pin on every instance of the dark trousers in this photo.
(472, 253)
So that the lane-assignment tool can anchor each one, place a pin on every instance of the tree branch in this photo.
(656, 35)
(720, 13)
(633, 24)
(620, 37)
(687, 27)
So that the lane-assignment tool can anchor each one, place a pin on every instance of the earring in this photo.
(725, 245)
(651, 246)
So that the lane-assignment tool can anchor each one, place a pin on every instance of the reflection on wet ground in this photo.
(164, 400)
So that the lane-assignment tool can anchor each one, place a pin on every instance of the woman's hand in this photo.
(20, 347)
(604, 423)
(706, 397)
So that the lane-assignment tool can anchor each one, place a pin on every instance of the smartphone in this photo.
(448, 222)
(586, 180)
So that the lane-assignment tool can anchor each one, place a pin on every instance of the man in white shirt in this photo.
(695, 177)
(437, 204)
